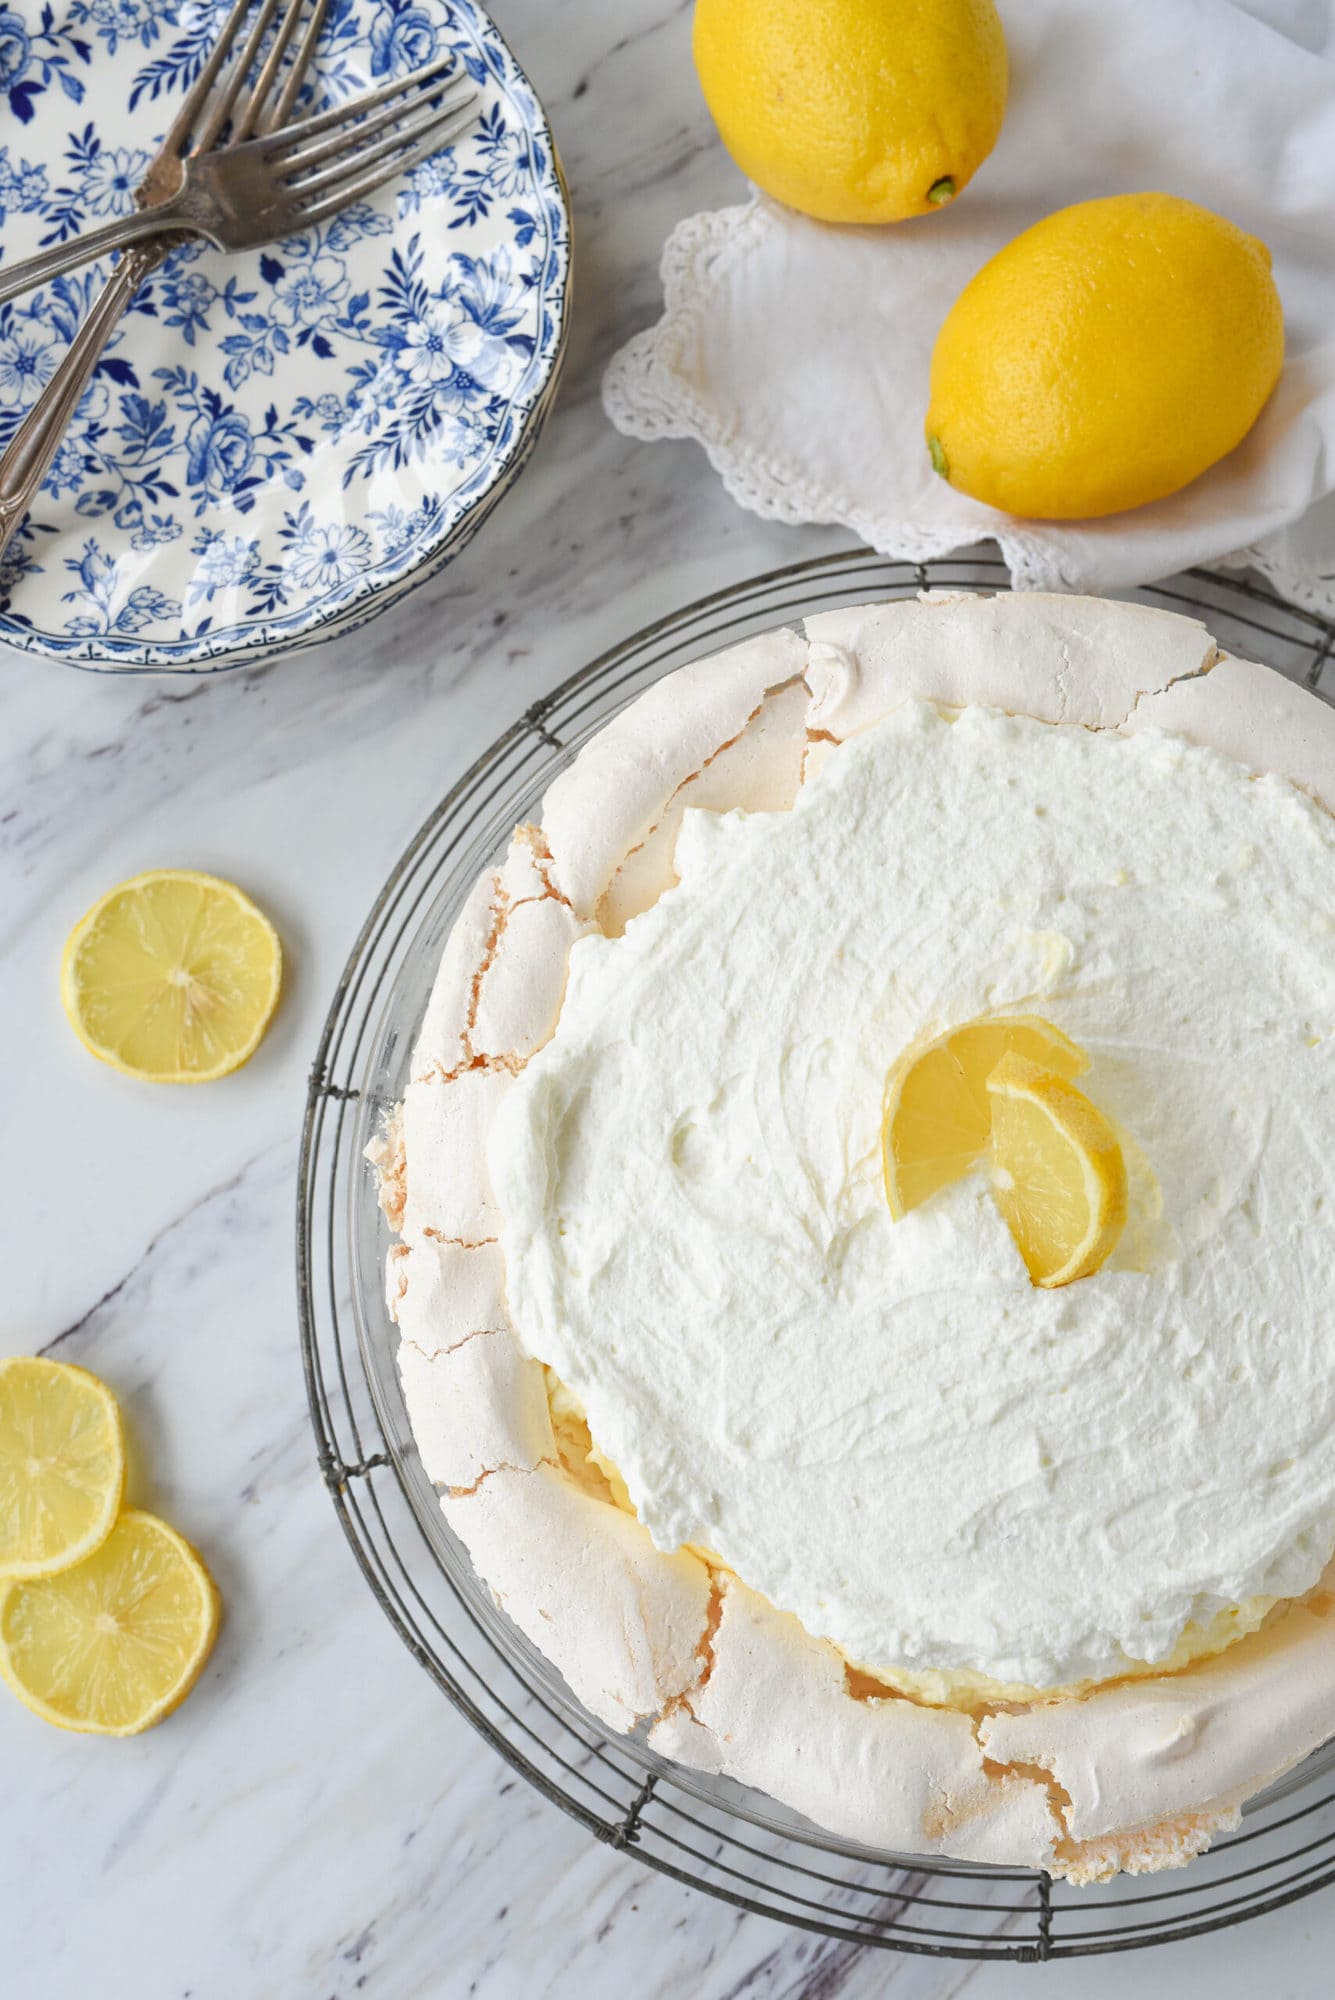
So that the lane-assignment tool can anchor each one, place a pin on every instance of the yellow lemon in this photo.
(1058, 1174)
(115, 1644)
(854, 110)
(1105, 358)
(936, 1116)
(172, 977)
(62, 1465)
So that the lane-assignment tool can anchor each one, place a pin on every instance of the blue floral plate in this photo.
(277, 445)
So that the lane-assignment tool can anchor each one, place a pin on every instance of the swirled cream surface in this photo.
(884, 1426)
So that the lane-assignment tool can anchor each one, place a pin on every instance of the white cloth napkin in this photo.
(797, 353)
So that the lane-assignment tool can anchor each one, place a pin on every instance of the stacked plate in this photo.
(280, 444)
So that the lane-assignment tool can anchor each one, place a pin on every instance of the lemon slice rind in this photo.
(1037, 1111)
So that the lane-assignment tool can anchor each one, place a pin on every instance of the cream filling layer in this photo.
(884, 1427)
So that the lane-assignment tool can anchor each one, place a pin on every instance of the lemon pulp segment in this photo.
(937, 1116)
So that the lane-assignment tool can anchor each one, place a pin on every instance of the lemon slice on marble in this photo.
(172, 977)
(937, 1116)
(62, 1465)
(115, 1644)
(1058, 1174)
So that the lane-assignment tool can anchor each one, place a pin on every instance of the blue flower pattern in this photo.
(400, 340)
(34, 55)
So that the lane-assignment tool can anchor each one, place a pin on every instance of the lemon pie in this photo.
(862, 1200)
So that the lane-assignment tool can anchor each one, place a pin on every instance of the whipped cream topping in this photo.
(885, 1428)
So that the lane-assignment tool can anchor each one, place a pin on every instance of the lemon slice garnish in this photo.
(113, 1645)
(62, 1465)
(1058, 1174)
(937, 1117)
(172, 977)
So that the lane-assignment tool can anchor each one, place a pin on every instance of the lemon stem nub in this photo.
(940, 463)
(942, 191)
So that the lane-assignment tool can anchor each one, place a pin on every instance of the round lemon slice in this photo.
(172, 977)
(62, 1465)
(936, 1116)
(1058, 1174)
(115, 1644)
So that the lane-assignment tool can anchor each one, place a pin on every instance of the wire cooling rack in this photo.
(710, 1833)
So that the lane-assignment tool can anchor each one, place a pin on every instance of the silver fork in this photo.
(203, 114)
(321, 185)
(256, 190)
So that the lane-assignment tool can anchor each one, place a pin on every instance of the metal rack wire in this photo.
(711, 1833)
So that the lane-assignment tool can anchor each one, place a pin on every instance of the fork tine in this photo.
(178, 135)
(279, 113)
(246, 121)
(346, 115)
(338, 152)
(344, 192)
(220, 105)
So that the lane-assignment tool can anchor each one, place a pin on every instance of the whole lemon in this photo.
(854, 110)
(1104, 358)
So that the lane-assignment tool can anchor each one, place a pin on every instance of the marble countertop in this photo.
(317, 1820)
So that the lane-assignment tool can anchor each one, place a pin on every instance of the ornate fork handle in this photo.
(117, 234)
(34, 444)
(188, 208)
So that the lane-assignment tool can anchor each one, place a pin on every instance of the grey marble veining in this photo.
(317, 1821)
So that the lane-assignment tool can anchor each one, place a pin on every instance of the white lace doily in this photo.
(797, 354)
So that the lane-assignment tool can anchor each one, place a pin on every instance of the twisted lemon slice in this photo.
(62, 1465)
(115, 1644)
(937, 1115)
(172, 977)
(1058, 1174)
